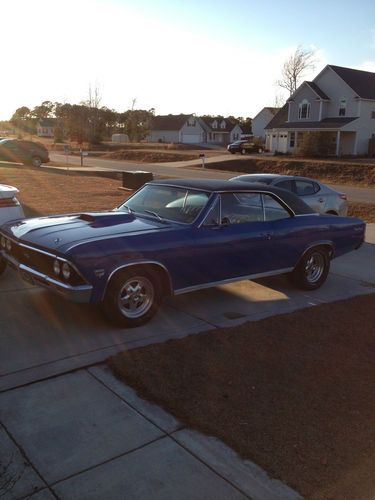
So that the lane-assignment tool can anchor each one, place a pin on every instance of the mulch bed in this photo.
(293, 393)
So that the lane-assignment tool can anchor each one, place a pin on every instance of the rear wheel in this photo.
(312, 270)
(132, 297)
(243, 151)
(2, 265)
(36, 161)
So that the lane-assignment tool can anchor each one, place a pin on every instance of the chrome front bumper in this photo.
(81, 293)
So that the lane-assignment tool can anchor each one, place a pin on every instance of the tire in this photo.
(243, 151)
(312, 270)
(132, 297)
(232, 152)
(36, 161)
(3, 265)
(260, 151)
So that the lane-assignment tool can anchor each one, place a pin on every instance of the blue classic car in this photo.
(175, 236)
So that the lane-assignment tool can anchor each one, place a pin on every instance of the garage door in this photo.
(191, 138)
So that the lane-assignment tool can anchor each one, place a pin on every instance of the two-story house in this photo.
(221, 131)
(339, 102)
(46, 127)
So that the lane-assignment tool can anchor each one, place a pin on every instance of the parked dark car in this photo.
(244, 147)
(175, 236)
(317, 195)
(26, 152)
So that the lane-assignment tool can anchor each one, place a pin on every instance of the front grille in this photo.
(31, 258)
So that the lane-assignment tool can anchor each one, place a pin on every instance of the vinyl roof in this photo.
(216, 185)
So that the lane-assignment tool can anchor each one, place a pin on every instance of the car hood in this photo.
(63, 231)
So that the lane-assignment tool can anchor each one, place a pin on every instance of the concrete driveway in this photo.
(42, 335)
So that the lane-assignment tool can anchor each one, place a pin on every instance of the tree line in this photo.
(84, 122)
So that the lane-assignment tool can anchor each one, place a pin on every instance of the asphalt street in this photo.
(191, 169)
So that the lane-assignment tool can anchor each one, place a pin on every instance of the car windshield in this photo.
(167, 202)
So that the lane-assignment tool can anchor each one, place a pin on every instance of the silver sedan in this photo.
(318, 196)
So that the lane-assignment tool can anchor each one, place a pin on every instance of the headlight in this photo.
(3, 241)
(66, 270)
(56, 267)
(8, 245)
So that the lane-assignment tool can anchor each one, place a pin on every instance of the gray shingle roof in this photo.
(318, 91)
(168, 122)
(362, 82)
(335, 123)
(279, 119)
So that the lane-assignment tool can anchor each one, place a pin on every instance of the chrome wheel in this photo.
(136, 297)
(314, 268)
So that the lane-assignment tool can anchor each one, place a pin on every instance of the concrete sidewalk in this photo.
(86, 435)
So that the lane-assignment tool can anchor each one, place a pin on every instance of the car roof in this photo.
(222, 186)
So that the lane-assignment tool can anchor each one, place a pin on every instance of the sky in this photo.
(177, 56)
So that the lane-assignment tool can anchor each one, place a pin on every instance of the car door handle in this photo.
(321, 200)
(266, 236)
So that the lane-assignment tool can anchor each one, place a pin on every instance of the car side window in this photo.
(240, 208)
(273, 210)
(288, 185)
(304, 188)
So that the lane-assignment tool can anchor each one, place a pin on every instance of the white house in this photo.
(46, 127)
(221, 131)
(190, 129)
(261, 120)
(177, 128)
(340, 102)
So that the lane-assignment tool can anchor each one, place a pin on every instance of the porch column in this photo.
(338, 143)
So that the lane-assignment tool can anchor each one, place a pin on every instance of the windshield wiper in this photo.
(155, 214)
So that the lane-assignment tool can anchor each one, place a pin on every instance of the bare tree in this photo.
(295, 67)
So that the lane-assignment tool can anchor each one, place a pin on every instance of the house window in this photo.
(214, 124)
(304, 109)
(342, 108)
(222, 124)
(373, 113)
(191, 123)
(292, 139)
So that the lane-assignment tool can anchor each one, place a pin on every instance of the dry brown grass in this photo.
(43, 192)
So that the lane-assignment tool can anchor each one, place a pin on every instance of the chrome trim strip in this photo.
(233, 280)
(318, 244)
(135, 263)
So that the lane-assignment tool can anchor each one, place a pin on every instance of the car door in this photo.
(309, 191)
(233, 241)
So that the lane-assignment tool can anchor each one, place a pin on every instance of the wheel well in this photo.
(324, 246)
(332, 212)
(161, 272)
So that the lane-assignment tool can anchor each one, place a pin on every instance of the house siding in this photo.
(260, 121)
(164, 136)
(303, 93)
(332, 85)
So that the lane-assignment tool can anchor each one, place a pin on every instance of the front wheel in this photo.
(132, 297)
(3, 265)
(312, 270)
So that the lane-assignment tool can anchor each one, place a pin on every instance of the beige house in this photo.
(339, 102)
